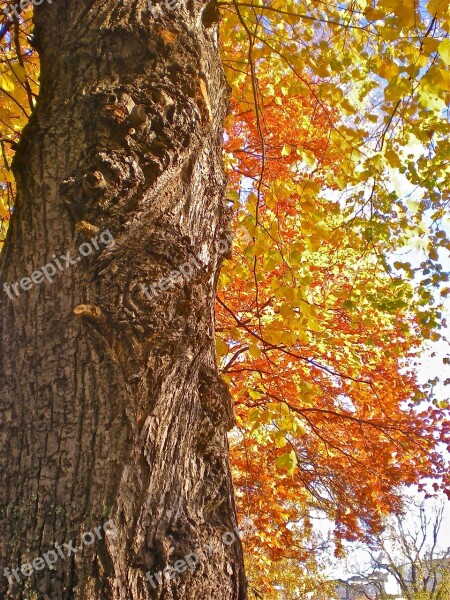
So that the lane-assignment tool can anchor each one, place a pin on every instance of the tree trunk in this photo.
(113, 417)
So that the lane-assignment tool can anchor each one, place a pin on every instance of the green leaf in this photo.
(287, 461)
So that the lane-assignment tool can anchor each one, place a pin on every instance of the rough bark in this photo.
(111, 406)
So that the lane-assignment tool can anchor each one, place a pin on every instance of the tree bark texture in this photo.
(111, 405)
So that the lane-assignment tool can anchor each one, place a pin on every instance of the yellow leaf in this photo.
(280, 438)
(19, 72)
(6, 83)
(438, 7)
(288, 338)
(430, 45)
(222, 348)
(444, 51)
(292, 19)
(388, 70)
(405, 10)
(255, 352)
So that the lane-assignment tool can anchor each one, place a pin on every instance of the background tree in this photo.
(413, 550)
